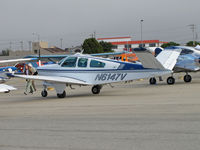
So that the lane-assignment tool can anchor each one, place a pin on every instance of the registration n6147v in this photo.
(110, 76)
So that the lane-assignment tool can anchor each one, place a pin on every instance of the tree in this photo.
(5, 52)
(169, 44)
(91, 46)
(190, 43)
(107, 47)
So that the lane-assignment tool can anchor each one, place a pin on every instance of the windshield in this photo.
(61, 61)
(69, 62)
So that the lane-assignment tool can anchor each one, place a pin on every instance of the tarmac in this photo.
(131, 116)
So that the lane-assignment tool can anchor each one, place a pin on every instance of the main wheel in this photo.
(96, 89)
(187, 78)
(44, 93)
(63, 95)
(152, 81)
(170, 80)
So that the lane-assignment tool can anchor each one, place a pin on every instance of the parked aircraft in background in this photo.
(188, 61)
(83, 70)
(3, 70)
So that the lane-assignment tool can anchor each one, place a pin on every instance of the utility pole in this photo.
(141, 31)
(29, 43)
(61, 42)
(38, 36)
(95, 34)
(22, 45)
(192, 27)
(10, 45)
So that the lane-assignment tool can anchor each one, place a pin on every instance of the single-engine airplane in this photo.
(84, 70)
(188, 61)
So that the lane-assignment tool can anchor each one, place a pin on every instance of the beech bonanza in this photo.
(84, 70)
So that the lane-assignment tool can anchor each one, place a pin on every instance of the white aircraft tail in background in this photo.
(168, 58)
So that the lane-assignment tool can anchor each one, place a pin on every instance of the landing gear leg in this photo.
(44, 93)
(160, 78)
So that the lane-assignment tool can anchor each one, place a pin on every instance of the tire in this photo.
(44, 93)
(63, 95)
(152, 81)
(187, 78)
(96, 89)
(170, 80)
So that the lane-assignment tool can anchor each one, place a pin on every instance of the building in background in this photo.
(37, 47)
(125, 43)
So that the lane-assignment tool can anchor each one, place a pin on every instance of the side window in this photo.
(70, 62)
(82, 62)
(186, 51)
(96, 64)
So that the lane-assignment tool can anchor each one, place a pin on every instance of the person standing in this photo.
(33, 72)
(29, 85)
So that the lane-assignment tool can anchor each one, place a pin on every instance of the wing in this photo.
(17, 60)
(6, 88)
(66, 80)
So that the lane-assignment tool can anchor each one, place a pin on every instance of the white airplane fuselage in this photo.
(102, 72)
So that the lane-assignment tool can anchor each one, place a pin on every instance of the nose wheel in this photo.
(187, 78)
(44, 93)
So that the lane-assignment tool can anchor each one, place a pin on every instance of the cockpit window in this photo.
(186, 51)
(82, 62)
(97, 64)
(69, 62)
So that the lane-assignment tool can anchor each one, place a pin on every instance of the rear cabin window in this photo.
(70, 62)
(97, 64)
(186, 51)
(82, 62)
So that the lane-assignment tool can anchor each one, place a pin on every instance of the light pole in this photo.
(38, 36)
(141, 32)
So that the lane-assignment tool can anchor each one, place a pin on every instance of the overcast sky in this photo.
(75, 20)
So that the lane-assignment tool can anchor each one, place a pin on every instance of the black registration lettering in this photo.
(110, 76)
(123, 76)
(118, 75)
